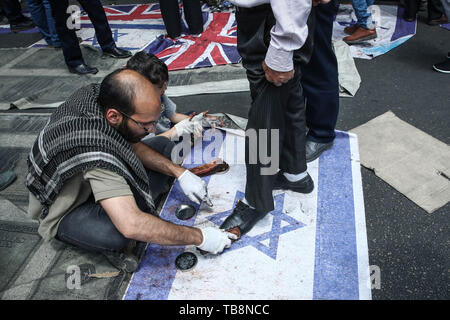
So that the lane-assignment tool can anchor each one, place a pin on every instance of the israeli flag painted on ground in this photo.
(392, 29)
(311, 246)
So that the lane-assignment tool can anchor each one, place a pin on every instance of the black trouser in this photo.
(435, 9)
(12, 10)
(89, 226)
(69, 41)
(172, 17)
(320, 79)
(281, 108)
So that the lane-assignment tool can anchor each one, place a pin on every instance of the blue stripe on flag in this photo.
(336, 265)
(154, 278)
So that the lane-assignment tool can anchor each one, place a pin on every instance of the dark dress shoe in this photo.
(117, 53)
(83, 69)
(441, 20)
(305, 185)
(315, 149)
(22, 24)
(243, 217)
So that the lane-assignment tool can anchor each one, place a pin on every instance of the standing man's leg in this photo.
(436, 13)
(51, 24)
(69, 40)
(13, 12)
(103, 31)
(171, 17)
(321, 86)
(193, 15)
(36, 8)
(365, 30)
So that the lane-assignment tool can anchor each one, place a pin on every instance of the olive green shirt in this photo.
(102, 183)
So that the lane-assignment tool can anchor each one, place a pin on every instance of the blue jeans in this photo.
(42, 16)
(361, 12)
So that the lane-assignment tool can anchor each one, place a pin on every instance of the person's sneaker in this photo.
(360, 35)
(351, 29)
(21, 25)
(315, 149)
(122, 261)
(443, 67)
(305, 185)
(244, 217)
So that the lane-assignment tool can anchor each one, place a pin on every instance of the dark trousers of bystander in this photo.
(69, 41)
(172, 17)
(320, 79)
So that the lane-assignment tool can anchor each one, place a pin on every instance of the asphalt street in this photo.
(409, 245)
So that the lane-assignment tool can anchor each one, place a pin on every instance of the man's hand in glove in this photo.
(215, 240)
(188, 126)
(194, 187)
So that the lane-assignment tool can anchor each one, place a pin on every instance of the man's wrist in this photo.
(177, 171)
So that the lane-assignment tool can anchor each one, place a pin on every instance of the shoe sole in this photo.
(361, 40)
(440, 70)
(320, 153)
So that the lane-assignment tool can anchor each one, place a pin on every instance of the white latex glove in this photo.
(194, 187)
(188, 126)
(215, 240)
(197, 123)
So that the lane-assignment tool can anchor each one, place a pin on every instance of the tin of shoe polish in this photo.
(186, 261)
(185, 212)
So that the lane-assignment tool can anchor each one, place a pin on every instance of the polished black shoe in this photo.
(315, 149)
(122, 261)
(243, 217)
(305, 185)
(21, 25)
(117, 53)
(83, 69)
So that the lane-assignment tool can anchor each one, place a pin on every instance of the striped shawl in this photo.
(77, 137)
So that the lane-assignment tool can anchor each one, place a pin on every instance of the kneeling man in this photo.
(92, 182)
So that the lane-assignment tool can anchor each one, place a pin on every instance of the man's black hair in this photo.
(150, 66)
(116, 93)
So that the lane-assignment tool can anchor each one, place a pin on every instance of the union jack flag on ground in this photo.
(215, 46)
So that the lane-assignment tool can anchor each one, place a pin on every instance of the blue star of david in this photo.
(115, 34)
(273, 235)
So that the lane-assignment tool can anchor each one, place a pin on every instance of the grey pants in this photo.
(89, 226)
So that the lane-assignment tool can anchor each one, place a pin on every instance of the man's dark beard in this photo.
(126, 132)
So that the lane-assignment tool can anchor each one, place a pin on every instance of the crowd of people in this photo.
(103, 160)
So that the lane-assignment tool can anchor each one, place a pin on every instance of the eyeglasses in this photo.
(142, 125)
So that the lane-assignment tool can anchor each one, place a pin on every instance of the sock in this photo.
(295, 177)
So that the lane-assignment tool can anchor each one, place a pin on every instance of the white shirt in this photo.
(289, 32)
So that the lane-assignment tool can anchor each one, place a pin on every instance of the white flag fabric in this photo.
(312, 246)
